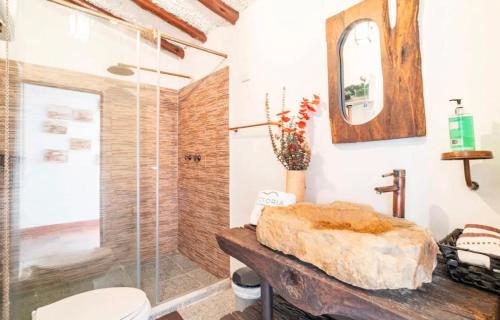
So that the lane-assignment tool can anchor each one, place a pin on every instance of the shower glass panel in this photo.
(82, 156)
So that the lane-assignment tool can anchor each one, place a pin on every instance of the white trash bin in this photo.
(246, 287)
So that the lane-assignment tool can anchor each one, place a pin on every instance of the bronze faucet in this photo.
(398, 192)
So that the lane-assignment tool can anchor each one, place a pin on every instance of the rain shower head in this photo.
(121, 70)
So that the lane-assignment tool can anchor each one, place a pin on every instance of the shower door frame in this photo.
(34, 75)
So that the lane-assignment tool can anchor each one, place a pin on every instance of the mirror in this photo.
(375, 82)
(362, 83)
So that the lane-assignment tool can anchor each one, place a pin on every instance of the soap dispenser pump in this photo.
(461, 127)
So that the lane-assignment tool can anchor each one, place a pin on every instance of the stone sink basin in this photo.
(352, 243)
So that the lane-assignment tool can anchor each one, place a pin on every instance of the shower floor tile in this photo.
(178, 276)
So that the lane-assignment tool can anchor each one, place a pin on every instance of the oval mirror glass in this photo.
(362, 82)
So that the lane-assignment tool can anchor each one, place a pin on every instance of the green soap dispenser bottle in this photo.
(461, 126)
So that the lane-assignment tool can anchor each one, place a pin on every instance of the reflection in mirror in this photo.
(362, 81)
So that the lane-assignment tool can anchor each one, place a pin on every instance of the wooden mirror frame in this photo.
(403, 112)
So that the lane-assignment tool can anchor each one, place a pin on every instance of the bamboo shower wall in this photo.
(118, 166)
(204, 187)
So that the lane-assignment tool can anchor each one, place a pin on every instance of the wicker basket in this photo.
(460, 271)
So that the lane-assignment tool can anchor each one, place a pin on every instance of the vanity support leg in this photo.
(267, 300)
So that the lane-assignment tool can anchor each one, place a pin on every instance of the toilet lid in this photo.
(101, 304)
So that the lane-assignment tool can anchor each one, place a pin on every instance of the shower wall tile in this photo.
(204, 186)
(12, 182)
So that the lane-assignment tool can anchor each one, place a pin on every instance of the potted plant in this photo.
(290, 145)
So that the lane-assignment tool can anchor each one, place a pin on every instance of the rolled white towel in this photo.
(270, 198)
(479, 238)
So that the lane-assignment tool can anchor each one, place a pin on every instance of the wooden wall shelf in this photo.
(466, 156)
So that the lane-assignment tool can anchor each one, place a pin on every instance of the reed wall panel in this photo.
(204, 186)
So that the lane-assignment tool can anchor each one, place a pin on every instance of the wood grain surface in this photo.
(467, 155)
(403, 113)
(313, 291)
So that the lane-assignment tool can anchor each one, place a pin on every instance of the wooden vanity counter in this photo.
(313, 291)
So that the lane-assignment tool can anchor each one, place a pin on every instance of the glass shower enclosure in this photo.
(80, 160)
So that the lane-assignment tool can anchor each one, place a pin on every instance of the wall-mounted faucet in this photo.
(398, 192)
(192, 157)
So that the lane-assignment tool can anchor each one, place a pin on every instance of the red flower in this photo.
(304, 116)
(293, 135)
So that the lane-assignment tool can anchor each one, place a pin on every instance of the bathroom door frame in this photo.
(17, 81)
(49, 84)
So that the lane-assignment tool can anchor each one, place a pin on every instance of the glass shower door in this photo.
(74, 151)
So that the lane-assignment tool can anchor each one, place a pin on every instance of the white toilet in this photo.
(101, 304)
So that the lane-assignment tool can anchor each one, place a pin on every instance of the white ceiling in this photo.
(191, 11)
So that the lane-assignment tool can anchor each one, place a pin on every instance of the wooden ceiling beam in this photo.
(165, 45)
(171, 19)
(222, 9)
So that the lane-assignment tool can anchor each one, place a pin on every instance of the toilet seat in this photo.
(101, 304)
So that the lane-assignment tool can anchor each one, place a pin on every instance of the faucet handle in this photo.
(396, 173)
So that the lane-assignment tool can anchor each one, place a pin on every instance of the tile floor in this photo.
(221, 306)
(178, 276)
(212, 308)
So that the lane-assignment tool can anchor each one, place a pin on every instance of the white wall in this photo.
(55, 193)
(282, 42)
(55, 36)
